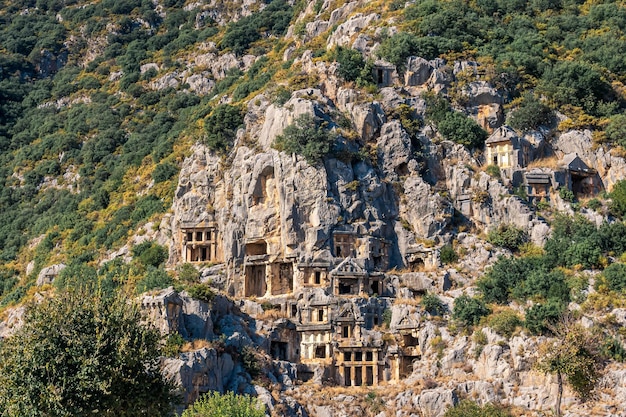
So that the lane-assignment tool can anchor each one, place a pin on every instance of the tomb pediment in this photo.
(349, 268)
(503, 134)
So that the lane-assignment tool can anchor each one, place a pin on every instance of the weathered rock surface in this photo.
(48, 274)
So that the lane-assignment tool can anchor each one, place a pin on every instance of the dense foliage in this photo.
(469, 408)
(221, 127)
(469, 310)
(308, 137)
(452, 124)
(574, 355)
(214, 404)
(82, 355)
(508, 236)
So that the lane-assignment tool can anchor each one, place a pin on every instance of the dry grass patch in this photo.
(551, 162)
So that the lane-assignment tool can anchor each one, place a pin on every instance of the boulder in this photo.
(48, 274)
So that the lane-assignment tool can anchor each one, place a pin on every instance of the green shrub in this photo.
(567, 195)
(530, 114)
(577, 241)
(250, 361)
(506, 274)
(150, 253)
(541, 318)
(221, 127)
(615, 131)
(543, 284)
(77, 275)
(280, 95)
(576, 83)
(461, 129)
(507, 236)
(409, 119)
(350, 63)
(188, 273)
(433, 304)
(618, 199)
(448, 255)
(505, 322)
(594, 204)
(480, 339)
(155, 279)
(214, 404)
(493, 171)
(387, 317)
(453, 125)
(173, 344)
(468, 310)
(397, 48)
(613, 348)
(614, 276)
(163, 172)
(273, 19)
(467, 408)
(201, 292)
(306, 137)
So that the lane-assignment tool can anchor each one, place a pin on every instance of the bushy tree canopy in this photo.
(81, 355)
(307, 137)
(575, 356)
(469, 310)
(469, 408)
(221, 127)
(214, 404)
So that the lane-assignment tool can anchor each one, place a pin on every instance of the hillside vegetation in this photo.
(102, 101)
(90, 148)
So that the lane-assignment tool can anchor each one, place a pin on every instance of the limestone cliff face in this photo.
(329, 245)
(264, 202)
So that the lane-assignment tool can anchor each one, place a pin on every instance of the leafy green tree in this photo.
(81, 355)
(350, 63)
(214, 404)
(202, 292)
(469, 310)
(307, 137)
(154, 278)
(530, 114)
(221, 127)
(433, 304)
(164, 171)
(540, 318)
(469, 408)
(616, 129)
(614, 276)
(188, 273)
(399, 47)
(542, 284)
(507, 273)
(576, 83)
(150, 253)
(508, 236)
(453, 125)
(459, 128)
(574, 355)
(448, 255)
(618, 199)
(574, 241)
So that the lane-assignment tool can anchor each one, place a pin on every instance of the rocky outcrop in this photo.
(13, 320)
(48, 274)
(342, 36)
(610, 168)
(171, 312)
(202, 371)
